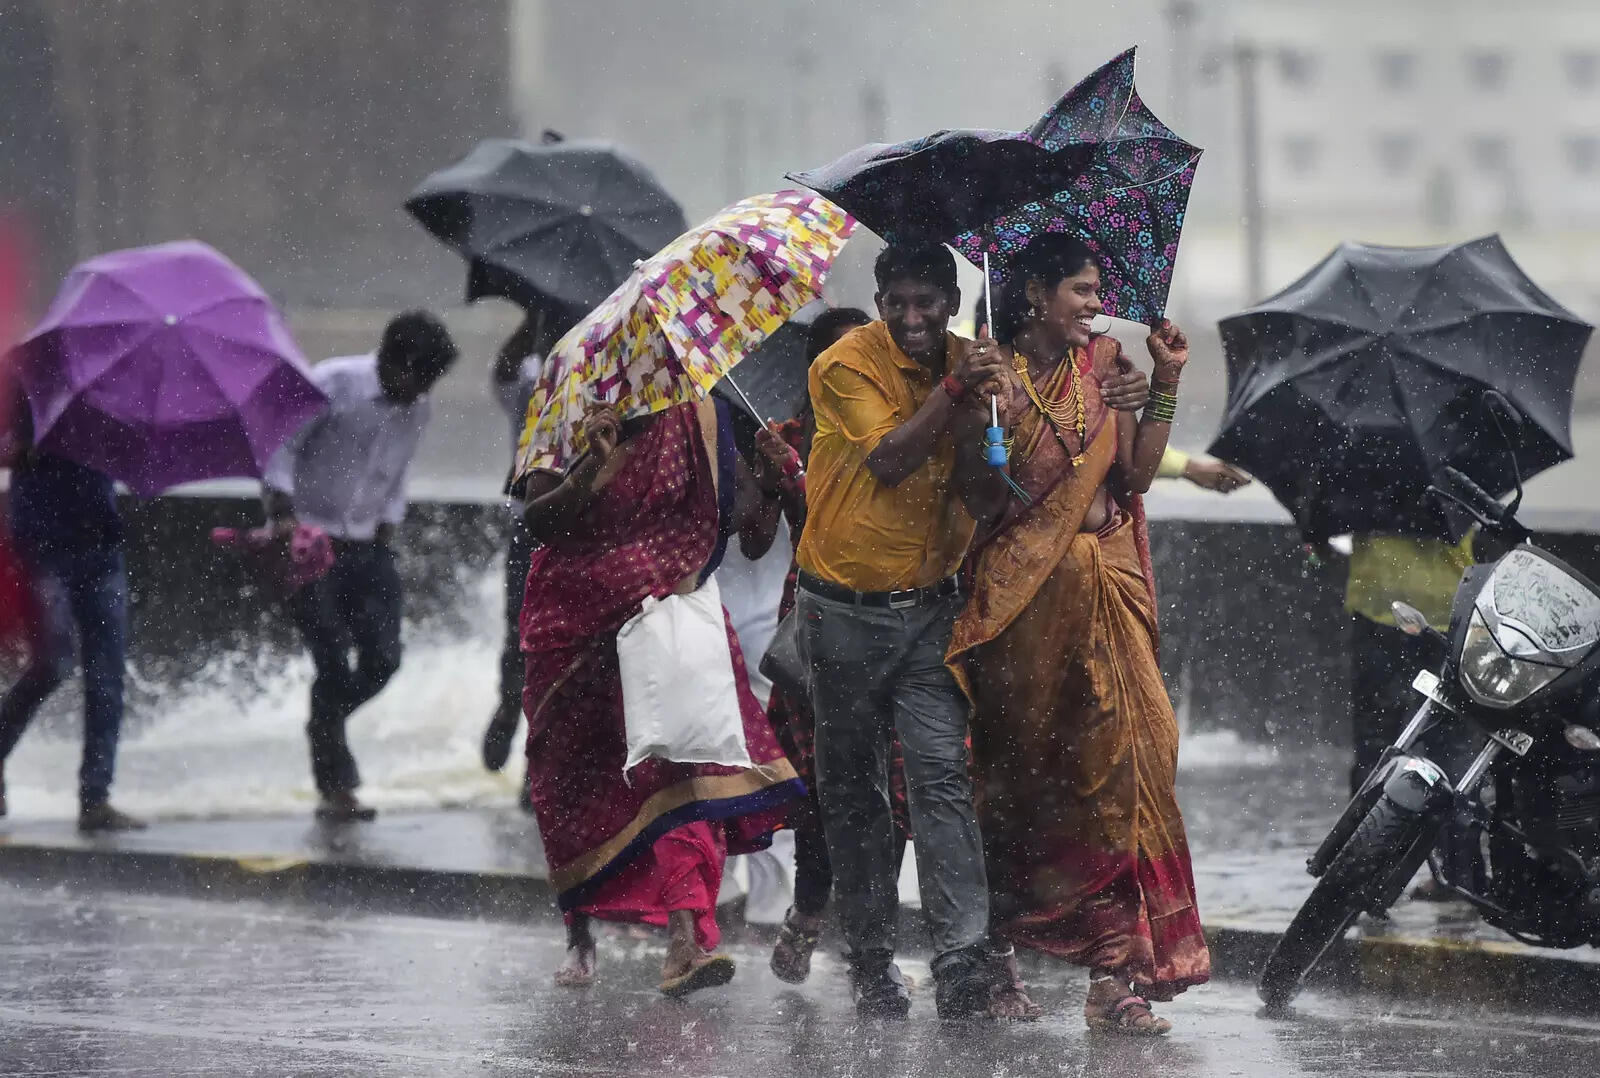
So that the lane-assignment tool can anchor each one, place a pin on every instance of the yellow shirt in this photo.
(859, 533)
(1421, 572)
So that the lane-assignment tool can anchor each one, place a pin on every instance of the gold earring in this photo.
(1034, 312)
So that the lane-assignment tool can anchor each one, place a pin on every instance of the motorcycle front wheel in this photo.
(1388, 841)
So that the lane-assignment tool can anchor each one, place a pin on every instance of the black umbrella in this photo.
(563, 221)
(1350, 390)
(931, 189)
(771, 381)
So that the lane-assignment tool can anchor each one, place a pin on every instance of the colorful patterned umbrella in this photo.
(1127, 204)
(684, 318)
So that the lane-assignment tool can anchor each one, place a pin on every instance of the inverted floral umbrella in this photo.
(1126, 203)
(684, 318)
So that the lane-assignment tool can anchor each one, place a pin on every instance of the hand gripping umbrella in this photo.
(1350, 390)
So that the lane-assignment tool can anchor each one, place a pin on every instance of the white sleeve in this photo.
(279, 472)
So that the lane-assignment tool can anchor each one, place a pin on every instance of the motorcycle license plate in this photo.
(1427, 683)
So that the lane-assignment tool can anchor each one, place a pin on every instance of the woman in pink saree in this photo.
(646, 514)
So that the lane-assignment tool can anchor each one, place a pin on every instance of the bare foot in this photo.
(578, 969)
(1008, 998)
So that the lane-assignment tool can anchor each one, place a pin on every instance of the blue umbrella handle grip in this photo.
(994, 443)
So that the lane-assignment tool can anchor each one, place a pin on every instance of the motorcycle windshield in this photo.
(1558, 610)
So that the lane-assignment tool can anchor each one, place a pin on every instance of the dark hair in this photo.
(930, 263)
(826, 326)
(1050, 259)
(418, 343)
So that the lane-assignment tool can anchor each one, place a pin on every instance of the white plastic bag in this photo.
(679, 699)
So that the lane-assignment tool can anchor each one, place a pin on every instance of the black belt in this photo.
(890, 600)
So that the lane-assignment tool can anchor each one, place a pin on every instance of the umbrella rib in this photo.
(1161, 179)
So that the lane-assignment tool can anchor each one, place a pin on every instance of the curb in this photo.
(1484, 972)
(379, 888)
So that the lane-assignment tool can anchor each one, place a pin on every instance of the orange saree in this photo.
(1075, 743)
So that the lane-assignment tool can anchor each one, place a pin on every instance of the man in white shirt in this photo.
(345, 472)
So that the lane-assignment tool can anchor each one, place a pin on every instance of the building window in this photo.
(1487, 70)
(1489, 153)
(1298, 67)
(1397, 70)
(1583, 68)
(1583, 154)
(1301, 152)
(1397, 152)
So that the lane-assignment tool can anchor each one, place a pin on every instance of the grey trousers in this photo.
(876, 670)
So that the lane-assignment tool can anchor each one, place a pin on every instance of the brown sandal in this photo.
(709, 972)
(1130, 1016)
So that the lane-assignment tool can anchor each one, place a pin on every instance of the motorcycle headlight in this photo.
(1494, 678)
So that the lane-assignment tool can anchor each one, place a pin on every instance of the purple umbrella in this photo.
(162, 365)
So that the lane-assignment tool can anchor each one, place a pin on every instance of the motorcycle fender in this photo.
(1417, 784)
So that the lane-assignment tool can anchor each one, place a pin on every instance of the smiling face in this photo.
(1067, 310)
(917, 314)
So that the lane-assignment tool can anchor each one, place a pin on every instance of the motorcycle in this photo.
(1517, 832)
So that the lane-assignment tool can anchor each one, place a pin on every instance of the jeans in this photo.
(356, 606)
(519, 552)
(873, 671)
(92, 590)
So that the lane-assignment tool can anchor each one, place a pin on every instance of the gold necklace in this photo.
(1065, 414)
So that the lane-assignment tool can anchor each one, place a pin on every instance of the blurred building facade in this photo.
(285, 134)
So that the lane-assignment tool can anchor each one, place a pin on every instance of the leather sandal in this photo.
(1130, 1016)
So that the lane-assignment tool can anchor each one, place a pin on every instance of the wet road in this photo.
(110, 984)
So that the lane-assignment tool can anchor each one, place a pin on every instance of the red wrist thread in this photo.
(951, 385)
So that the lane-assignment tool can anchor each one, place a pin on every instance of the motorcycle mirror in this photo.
(1507, 423)
(1410, 620)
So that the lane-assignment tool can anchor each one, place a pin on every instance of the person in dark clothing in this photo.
(516, 370)
(345, 472)
(69, 535)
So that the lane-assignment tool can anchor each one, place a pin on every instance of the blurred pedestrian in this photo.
(512, 378)
(68, 533)
(1383, 569)
(1075, 743)
(647, 511)
(345, 472)
(895, 458)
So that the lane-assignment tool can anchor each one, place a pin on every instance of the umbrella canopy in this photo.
(684, 318)
(161, 365)
(772, 379)
(1351, 389)
(1126, 202)
(933, 188)
(558, 223)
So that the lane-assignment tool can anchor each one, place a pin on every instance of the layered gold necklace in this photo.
(1065, 414)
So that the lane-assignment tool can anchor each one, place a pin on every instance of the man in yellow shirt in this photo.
(900, 409)
(896, 450)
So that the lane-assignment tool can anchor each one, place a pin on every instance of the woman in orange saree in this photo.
(1074, 740)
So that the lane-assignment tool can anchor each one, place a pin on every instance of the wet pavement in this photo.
(115, 984)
